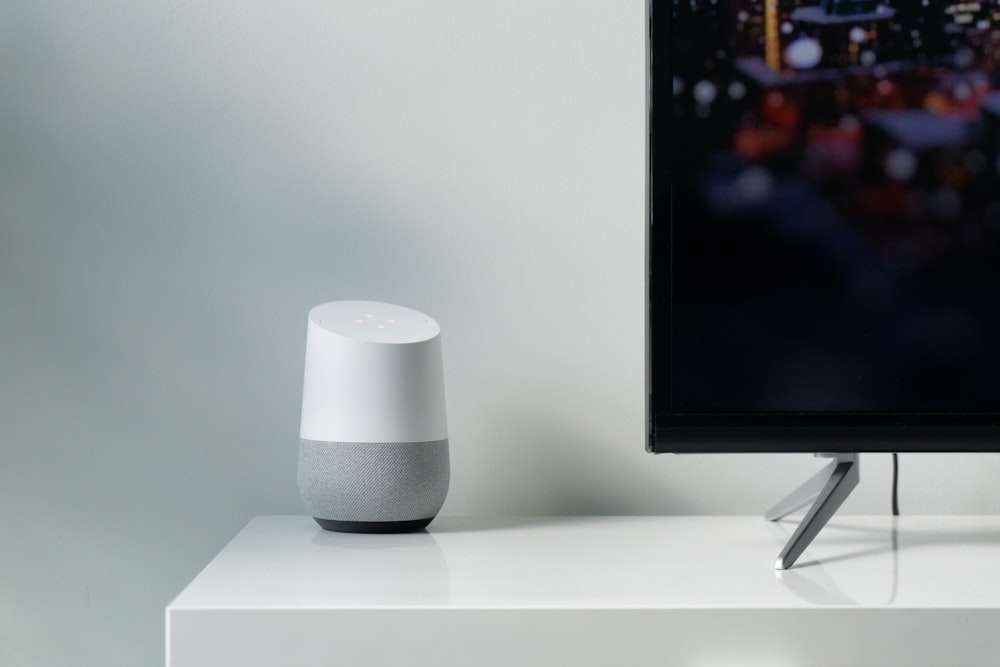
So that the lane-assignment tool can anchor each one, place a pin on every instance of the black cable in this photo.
(895, 484)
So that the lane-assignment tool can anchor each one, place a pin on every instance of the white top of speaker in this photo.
(374, 322)
(373, 373)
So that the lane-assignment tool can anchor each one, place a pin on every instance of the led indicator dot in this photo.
(369, 315)
(380, 326)
(359, 321)
(390, 321)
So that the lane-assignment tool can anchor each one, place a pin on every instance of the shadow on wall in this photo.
(558, 469)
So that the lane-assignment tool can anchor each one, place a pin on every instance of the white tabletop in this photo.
(662, 569)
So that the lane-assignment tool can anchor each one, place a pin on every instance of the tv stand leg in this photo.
(830, 488)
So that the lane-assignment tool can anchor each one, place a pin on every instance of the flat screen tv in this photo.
(824, 229)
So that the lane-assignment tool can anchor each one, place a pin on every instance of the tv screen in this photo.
(824, 225)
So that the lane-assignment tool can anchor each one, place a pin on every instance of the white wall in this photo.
(181, 181)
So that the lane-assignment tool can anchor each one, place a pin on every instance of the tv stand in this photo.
(593, 591)
(829, 488)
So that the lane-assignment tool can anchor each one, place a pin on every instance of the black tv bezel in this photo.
(843, 432)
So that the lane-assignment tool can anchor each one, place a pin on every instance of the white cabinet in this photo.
(698, 591)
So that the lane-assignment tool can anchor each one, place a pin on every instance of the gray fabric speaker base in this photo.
(373, 482)
(373, 526)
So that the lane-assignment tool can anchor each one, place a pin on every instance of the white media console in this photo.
(688, 591)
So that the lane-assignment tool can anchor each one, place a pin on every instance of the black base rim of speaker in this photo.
(373, 526)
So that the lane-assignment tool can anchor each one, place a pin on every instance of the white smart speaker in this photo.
(373, 444)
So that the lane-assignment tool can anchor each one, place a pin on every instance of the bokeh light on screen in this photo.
(835, 206)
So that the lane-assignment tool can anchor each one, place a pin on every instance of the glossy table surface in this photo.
(686, 583)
